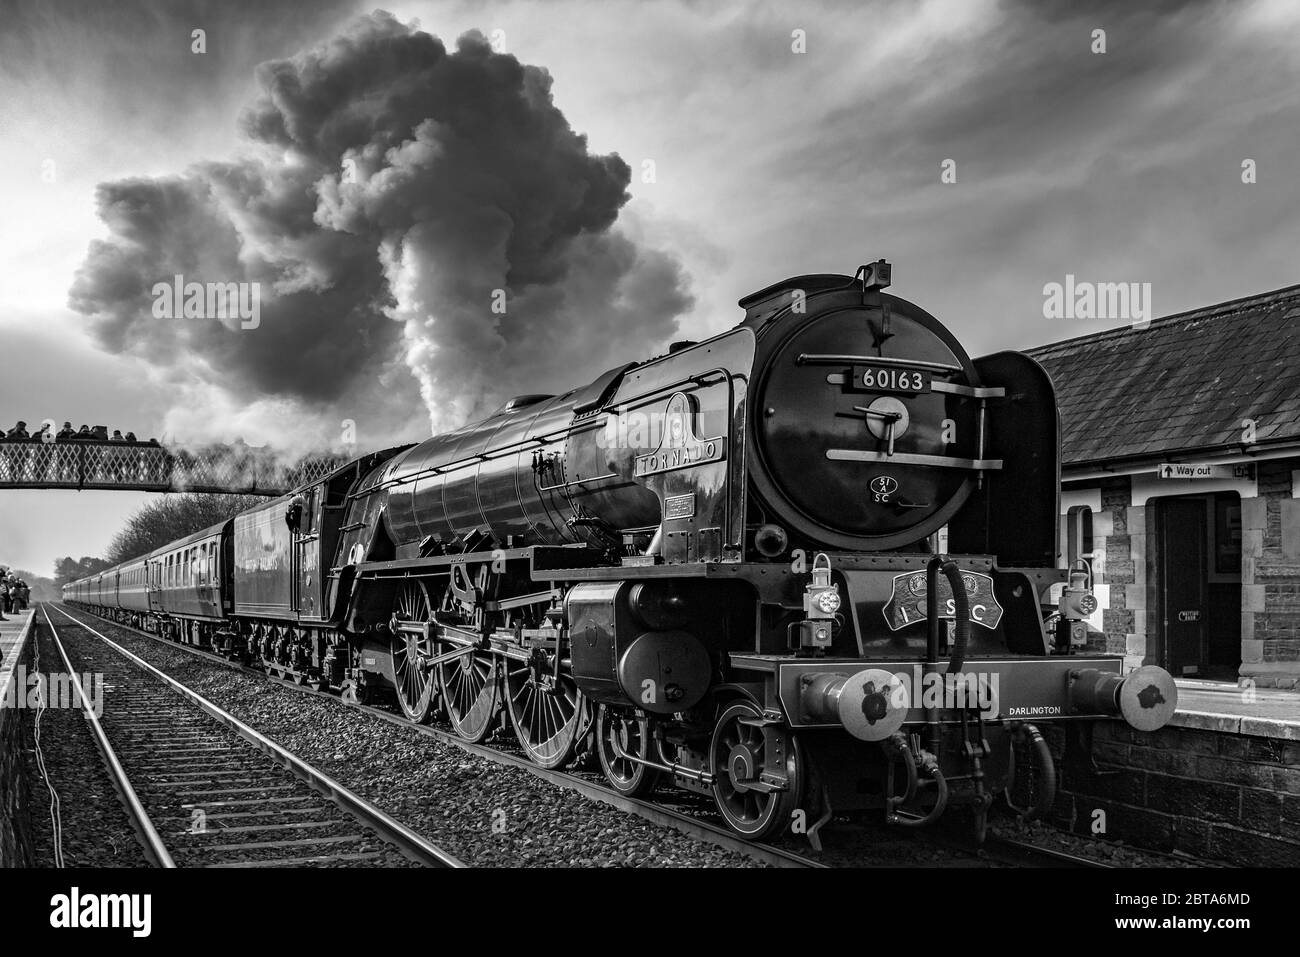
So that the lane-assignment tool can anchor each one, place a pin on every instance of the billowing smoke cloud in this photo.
(416, 218)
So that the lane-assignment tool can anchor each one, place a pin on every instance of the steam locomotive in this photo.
(718, 569)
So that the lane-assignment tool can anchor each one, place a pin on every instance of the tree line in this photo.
(154, 525)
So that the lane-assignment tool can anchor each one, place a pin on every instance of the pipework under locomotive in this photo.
(720, 570)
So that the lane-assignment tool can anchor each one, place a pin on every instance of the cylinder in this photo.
(821, 695)
(1096, 692)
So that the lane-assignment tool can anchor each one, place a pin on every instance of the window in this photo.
(1227, 534)
(1078, 533)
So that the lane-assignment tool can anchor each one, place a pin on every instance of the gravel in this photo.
(186, 796)
(96, 831)
(1113, 853)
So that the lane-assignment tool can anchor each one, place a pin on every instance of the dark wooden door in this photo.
(1184, 588)
(306, 577)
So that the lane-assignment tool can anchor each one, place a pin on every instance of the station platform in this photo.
(13, 633)
(1226, 707)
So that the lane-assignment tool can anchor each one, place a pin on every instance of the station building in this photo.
(1181, 487)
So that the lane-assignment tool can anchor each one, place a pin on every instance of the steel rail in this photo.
(1018, 852)
(154, 847)
(409, 842)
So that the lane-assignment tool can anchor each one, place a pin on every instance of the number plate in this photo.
(888, 379)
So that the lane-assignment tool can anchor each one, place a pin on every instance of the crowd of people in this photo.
(56, 461)
(86, 433)
(14, 593)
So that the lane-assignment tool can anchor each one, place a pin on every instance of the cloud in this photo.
(399, 205)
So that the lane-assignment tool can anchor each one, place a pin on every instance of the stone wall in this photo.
(15, 844)
(1270, 599)
(1216, 795)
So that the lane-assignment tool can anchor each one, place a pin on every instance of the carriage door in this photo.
(1183, 612)
(306, 577)
(154, 583)
(205, 577)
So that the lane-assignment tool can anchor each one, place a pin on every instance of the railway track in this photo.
(1022, 854)
(1013, 853)
(688, 824)
(203, 789)
(995, 849)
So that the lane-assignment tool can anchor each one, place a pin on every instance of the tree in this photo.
(173, 517)
(69, 569)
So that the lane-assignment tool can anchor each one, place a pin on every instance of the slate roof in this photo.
(1184, 384)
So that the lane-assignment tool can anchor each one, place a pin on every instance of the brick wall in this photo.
(1271, 579)
(1214, 795)
(1117, 620)
(15, 844)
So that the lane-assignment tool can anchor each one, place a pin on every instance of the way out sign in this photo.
(1199, 470)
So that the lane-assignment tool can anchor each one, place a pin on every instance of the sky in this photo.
(624, 171)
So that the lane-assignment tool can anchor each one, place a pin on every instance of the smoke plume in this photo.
(416, 219)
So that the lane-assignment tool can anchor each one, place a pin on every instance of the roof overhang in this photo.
(1235, 454)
